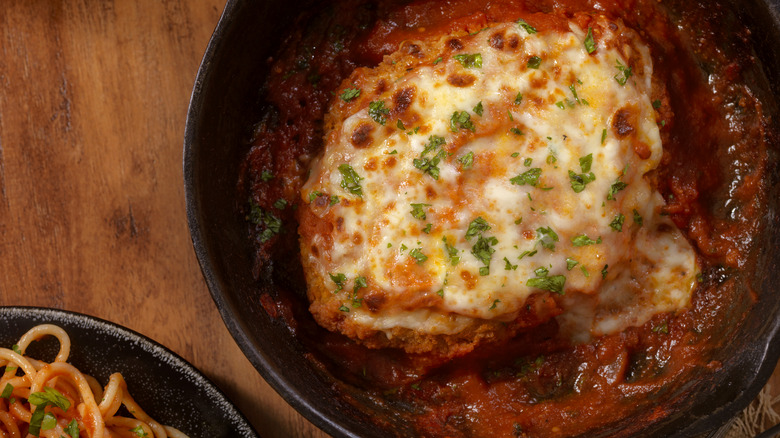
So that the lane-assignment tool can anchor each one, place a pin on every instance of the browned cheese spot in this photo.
(340, 223)
(371, 164)
(402, 99)
(430, 193)
(469, 279)
(390, 162)
(357, 238)
(374, 300)
(412, 49)
(528, 234)
(539, 82)
(496, 41)
(315, 251)
(460, 79)
(361, 136)
(641, 149)
(624, 122)
(381, 86)
(455, 44)
(321, 201)
(513, 41)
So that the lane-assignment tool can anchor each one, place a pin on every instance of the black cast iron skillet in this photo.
(223, 109)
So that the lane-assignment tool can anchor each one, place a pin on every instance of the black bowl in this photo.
(224, 108)
(168, 388)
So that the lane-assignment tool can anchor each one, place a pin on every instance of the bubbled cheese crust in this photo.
(484, 183)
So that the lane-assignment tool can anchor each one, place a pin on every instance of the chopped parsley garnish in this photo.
(574, 93)
(404, 247)
(604, 271)
(617, 222)
(344, 308)
(49, 421)
(584, 271)
(349, 94)
(527, 253)
(516, 131)
(603, 135)
(469, 60)
(437, 60)
(515, 154)
(139, 431)
(266, 176)
(614, 188)
(339, 279)
(663, 328)
(519, 99)
(7, 391)
(483, 251)
(427, 229)
(495, 302)
(477, 226)
(16, 349)
(313, 195)
(418, 211)
(625, 71)
(511, 117)
(467, 160)
(544, 282)
(547, 237)
(534, 62)
(400, 125)
(478, 109)
(509, 266)
(638, 218)
(571, 263)
(272, 224)
(280, 203)
(393, 152)
(378, 112)
(461, 120)
(560, 105)
(530, 177)
(48, 397)
(586, 162)
(551, 159)
(527, 162)
(656, 104)
(584, 240)
(334, 200)
(579, 181)
(527, 27)
(350, 180)
(360, 282)
(431, 165)
(418, 255)
(590, 44)
(452, 252)
(73, 429)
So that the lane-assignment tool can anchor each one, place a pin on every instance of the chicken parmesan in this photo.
(472, 185)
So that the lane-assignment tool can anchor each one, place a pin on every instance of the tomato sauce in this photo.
(713, 176)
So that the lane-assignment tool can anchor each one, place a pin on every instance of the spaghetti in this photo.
(54, 400)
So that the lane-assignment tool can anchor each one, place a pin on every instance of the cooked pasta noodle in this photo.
(55, 400)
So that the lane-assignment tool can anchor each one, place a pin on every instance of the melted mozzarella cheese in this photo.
(531, 135)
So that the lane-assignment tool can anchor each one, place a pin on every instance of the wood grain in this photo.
(93, 99)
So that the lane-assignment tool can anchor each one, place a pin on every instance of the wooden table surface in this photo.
(93, 100)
